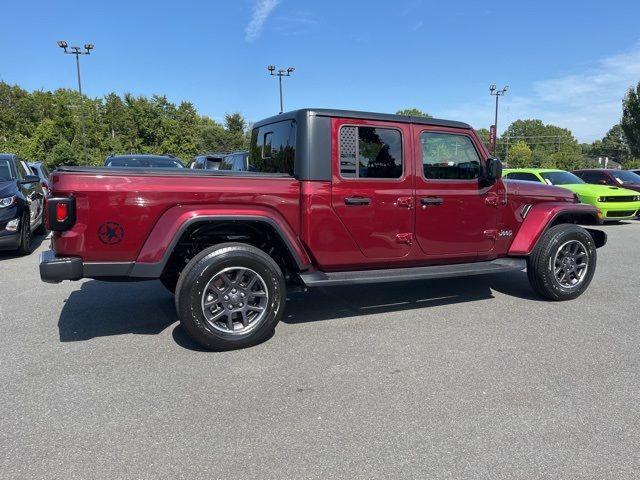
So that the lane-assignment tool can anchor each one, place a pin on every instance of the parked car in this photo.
(615, 203)
(236, 161)
(41, 170)
(209, 161)
(143, 161)
(21, 205)
(614, 178)
(337, 197)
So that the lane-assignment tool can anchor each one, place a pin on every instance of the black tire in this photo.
(24, 247)
(208, 266)
(42, 229)
(548, 257)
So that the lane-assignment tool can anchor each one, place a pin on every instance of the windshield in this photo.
(625, 177)
(560, 178)
(5, 171)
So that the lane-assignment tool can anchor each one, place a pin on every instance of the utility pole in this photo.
(77, 52)
(280, 74)
(497, 94)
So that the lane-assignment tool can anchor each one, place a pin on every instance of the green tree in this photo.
(413, 112)
(613, 145)
(519, 155)
(64, 154)
(43, 125)
(483, 133)
(631, 119)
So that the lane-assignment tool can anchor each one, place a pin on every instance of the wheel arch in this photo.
(542, 217)
(202, 231)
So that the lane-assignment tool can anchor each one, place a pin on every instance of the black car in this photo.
(236, 161)
(41, 170)
(143, 161)
(21, 205)
(208, 161)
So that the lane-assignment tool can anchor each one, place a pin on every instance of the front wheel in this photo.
(230, 296)
(563, 262)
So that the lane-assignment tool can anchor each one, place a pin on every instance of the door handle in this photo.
(357, 201)
(426, 201)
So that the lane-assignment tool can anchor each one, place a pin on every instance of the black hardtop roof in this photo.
(388, 117)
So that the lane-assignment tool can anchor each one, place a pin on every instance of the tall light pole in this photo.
(280, 74)
(77, 52)
(497, 94)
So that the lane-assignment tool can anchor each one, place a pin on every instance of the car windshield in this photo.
(560, 178)
(144, 162)
(5, 171)
(624, 177)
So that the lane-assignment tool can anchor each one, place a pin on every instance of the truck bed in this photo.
(133, 200)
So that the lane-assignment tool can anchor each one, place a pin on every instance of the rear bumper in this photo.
(56, 269)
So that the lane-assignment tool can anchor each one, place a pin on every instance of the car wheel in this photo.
(563, 262)
(24, 247)
(230, 296)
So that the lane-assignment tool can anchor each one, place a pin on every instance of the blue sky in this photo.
(566, 62)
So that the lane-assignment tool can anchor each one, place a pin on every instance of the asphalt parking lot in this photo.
(458, 378)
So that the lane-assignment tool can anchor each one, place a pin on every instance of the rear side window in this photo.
(447, 156)
(273, 148)
(370, 152)
(530, 177)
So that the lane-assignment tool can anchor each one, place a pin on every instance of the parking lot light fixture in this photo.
(77, 52)
(497, 93)
(280, 74)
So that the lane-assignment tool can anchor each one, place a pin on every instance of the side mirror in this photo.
(494, 171)
(30, 179)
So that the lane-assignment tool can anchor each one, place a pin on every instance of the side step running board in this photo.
(323, 279)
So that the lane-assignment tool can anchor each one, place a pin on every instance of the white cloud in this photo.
(261, 11)
(588, 103)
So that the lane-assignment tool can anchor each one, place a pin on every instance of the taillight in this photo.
(61, 213)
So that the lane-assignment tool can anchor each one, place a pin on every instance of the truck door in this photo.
(372, 185)
(455, 215)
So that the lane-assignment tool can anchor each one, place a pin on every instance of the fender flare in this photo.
(159, 246)
(540, 217)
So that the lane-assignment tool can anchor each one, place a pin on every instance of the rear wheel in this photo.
(230, 296)
(563, 262)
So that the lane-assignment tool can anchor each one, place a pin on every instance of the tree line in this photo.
(46, 126)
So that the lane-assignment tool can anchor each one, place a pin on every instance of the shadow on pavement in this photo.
(102, 309)
(355, 300)
(145, 308)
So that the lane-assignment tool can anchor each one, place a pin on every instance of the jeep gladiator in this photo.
(333, 198)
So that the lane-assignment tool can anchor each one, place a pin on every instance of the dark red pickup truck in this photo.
(334, 197)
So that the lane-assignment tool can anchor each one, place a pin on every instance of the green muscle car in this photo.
(615, 203)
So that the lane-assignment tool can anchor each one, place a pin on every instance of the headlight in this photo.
(637, 198)
(7, 201)
(601, 199)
